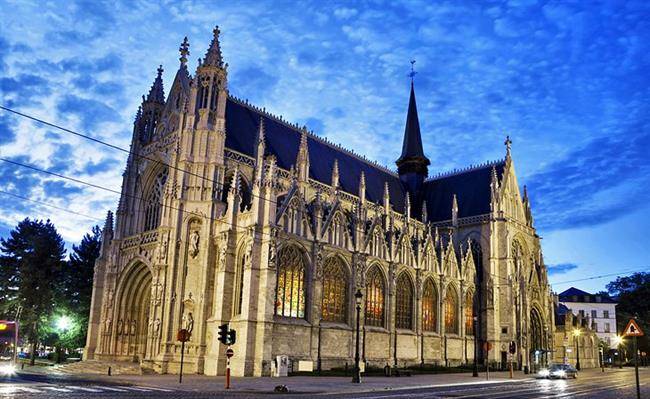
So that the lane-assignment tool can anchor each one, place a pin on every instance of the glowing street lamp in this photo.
(63, 323)
(618, 341)
(576, 333)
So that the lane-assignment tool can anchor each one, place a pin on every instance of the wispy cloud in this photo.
(561, 268)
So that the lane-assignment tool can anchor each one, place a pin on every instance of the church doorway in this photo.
(537, 350)
(131, 329)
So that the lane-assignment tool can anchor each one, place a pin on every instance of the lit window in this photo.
(374, 311)
(290, 295)
(451, 311)
(335, 288)
(429, 306)
(469, 314)
(404, 302)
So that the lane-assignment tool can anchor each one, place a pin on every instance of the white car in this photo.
(563, 371)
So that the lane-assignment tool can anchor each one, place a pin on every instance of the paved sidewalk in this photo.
(315, 385)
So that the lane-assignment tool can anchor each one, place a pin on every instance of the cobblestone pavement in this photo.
(614, 383)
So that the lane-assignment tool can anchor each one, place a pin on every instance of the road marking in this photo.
(136, 388)
(110, 388)
(85, 389)
(155, 388)
(13, 389)
(57, 389)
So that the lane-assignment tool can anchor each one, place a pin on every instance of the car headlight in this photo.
(544, 373)
(7, 369)
(560, 373)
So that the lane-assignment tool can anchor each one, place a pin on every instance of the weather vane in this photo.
(413, 73)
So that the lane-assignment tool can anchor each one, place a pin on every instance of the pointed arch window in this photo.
(429, 306)
(451, 311)
(469, 313)
(290, 291)
(153, 202)
(375, 290)
(335, 288)
(239, 280)
(404, 302)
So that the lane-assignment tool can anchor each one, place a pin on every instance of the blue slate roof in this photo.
(472, 186)
(472, 189)
(583, 296)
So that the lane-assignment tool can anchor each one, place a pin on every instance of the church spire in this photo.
(213, 55)
(157, 93)
(412, 158)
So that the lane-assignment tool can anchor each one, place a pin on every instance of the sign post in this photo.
(227, 337)
(511, 352)
(229, 353)
(633, 330)
(487, 346)
(183, 336)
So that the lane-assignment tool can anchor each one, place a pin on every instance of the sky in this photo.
(568, 81)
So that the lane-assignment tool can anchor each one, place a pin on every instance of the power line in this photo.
(602, 276)
(49, 205)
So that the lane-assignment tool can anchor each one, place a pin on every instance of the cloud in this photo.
(91, 112)
(560, 268)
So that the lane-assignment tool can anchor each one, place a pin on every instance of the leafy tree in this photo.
(30, 270)
(633, 293)
(78, 286)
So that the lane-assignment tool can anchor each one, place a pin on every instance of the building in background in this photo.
(230, 214)
(599, 309)
(574, 337)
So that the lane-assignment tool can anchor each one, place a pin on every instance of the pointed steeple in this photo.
(412, 158)
(302, 159)
(213, 55)
(157, 93)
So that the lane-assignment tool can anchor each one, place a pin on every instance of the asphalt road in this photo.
(614, 383)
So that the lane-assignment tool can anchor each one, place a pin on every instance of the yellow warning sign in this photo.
(632, 329)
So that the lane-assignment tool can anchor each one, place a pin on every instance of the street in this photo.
(614, 383)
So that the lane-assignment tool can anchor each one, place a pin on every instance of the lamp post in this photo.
(618, 340)
(62, 324)
(576, 333)
(356, 377)
(475, 372)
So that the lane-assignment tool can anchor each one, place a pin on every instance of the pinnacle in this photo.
(184, 50)
(157, 93)
(213, 55)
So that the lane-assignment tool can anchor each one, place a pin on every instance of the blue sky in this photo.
(569, 81)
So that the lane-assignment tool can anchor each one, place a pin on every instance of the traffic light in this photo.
(232, 336)
(223, 334)
(513, 347)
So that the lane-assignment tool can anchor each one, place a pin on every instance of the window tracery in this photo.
(429, 306)
(375, 293)
(451, 311)
(404, 302)
(290, 292)
(335, 288)
(153, 202)
(469, 314)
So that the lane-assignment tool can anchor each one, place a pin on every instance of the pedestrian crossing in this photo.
(9, 389)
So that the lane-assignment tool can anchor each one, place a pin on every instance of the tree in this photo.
(30, 272)
(78, 285)
(633, 293)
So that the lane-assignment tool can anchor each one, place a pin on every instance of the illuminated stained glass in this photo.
(374, 311)
(469, 314)
(429, 306)
(290, 294)
(451, 311)
(335, 288)
(404, 303)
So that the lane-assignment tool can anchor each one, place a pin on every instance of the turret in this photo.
(210, 86)
(151, 109)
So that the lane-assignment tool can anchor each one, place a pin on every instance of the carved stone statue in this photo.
(189, 322)
(194, 243)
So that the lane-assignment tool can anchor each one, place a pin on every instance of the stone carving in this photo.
(132, 328)
(189, 322)
(162, 249)
(119, 326)
(360, 272)
(318, 261)
(248, 255)
(194, 243)
(221, 266)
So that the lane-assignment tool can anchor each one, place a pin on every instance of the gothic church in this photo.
(229, 214)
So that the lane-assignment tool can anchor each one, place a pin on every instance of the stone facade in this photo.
(206, 234)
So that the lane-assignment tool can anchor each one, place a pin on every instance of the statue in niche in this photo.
(189, 323)
(194, 243)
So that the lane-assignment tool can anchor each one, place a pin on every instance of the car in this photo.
(563, 371)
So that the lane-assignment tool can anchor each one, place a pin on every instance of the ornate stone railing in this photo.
(239, 157)
(147, 237)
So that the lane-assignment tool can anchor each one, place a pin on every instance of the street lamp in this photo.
(576, 333)
(618, 340)
(62, 324)
(356, 378)
(475, 323)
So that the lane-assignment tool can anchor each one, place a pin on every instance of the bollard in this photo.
(22, 366)
(109, 371)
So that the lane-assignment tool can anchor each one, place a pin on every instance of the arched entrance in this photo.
(537, 347)
(134, 298)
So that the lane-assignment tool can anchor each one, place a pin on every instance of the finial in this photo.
(412, 73)
(508, 144)
(157, 93)
(184, 50)
(213, 55)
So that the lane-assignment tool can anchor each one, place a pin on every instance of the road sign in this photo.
(632, 329)
(229, 352)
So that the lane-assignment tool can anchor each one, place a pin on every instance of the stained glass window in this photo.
(469, 314)
(153, 202)
(290, 295)
(451, 311)
(335, 288)
(404, 303)
(374, 311)
(429, 306)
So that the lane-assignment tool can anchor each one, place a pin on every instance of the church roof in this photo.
(576, 295)
(471, 186)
